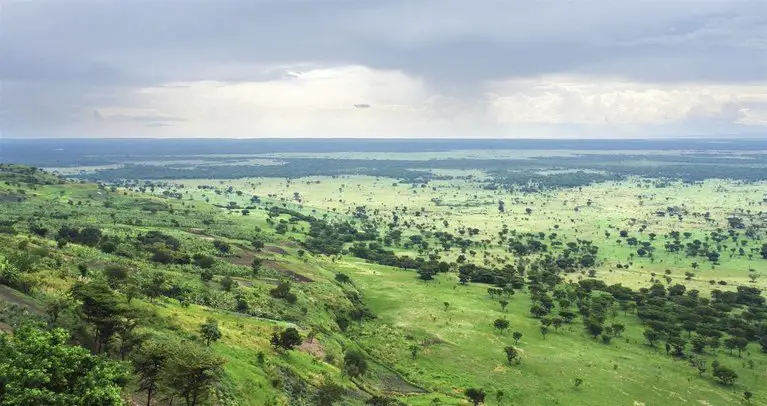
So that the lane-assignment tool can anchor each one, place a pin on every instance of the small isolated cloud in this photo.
(151, 125)
(136, 115)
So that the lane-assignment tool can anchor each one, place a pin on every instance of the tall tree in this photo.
(100, 307)
(37, 367)
(191, 372)
(209, 331)
(148, 364)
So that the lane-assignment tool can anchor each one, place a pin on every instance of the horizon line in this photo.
(647, 138)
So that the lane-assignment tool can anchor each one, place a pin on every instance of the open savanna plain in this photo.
(454, 283)
(464, 349)
(598, 212)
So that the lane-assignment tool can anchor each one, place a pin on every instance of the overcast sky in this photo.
(384, 68)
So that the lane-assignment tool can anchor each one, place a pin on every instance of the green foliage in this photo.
(154, 238)
(287, 339)
(414, 350)
(149, 364)
(101, 308)
(512, 354)
(328, 393)
(38, 367)
(203, 261)
(282, 291)
(116, 276)
(355, 364)
(547, 269)
(501, 324)
(383, 401)
(227, 283)
(476, 396)
(222, 246)
(257, 244)
(651, 336)
(209, 331)
(724, 374)
(191, 372)
(342, 278)
(256, 265)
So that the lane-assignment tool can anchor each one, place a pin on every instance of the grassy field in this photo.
(465, 350)
(468, 352)
(586, 214)
(450, 323)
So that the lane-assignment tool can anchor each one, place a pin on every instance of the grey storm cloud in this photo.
(61, 55)
(456, 41)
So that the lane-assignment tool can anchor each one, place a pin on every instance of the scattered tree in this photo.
(355, 364)
(476, 396)
(209, 331)
(287, 339)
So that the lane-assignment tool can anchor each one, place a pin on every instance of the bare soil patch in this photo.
(244, 258)
(275, 250)
(282, 268)
(315, 348)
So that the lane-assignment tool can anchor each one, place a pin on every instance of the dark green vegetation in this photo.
(504, 173)
(504, 288)
(114, 287)
(579, 162)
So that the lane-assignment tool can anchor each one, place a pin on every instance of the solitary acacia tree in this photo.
(475, 395)
(209, 331)
(512, 354)
(501, 324)
(544, 331)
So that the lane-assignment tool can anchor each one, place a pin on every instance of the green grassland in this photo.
(458, 346)
(467, 348)
(584, 213)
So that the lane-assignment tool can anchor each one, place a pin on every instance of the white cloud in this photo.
(316, 102)
(323, 102)
(595, 100)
